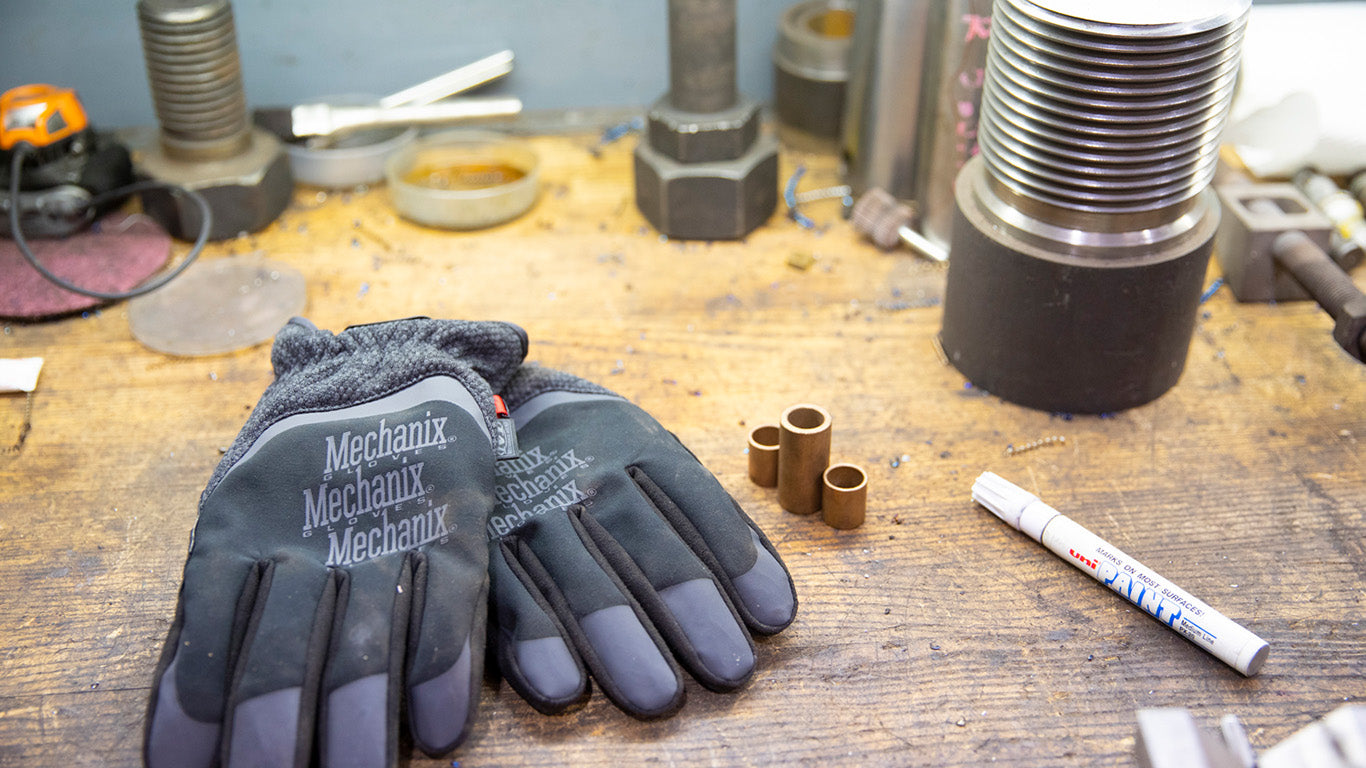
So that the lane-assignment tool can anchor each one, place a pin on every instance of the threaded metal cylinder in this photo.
(1108, 108)
(1083, 231)
(702, 55)
(195, 74)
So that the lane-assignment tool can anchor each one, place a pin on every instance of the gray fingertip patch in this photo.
(633, 661)
(438, 708)
(358, 724)
(548, 666)
(766, 590)
(265, 729)
(721, 644)
(175, 739)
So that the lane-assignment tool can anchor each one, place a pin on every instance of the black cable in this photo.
(206, 217)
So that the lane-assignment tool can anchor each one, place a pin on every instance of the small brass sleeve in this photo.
(803, 454)
(844, 496)
(763, 455)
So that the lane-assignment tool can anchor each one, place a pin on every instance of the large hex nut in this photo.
(245, 192)
(723, 200)
(1350, 330)
(690, 137)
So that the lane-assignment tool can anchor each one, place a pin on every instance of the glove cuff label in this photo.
(504, 431)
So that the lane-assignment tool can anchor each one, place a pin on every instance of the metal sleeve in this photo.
(844, 496)
(803, 454)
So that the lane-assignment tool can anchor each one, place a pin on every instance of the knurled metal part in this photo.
(1107, 109)
(195, 74)
(1332, 288)
(880, 217)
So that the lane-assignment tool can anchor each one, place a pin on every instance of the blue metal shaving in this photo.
(790, 197)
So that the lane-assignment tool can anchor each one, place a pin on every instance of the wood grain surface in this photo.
(933, 635)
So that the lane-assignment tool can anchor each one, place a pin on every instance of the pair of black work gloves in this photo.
(371, 516)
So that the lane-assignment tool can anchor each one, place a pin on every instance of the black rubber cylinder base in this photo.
(1068, 334)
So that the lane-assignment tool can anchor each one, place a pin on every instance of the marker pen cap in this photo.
(1002, 497)
(1017, 507)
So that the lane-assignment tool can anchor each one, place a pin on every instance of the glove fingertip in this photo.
(547, 673)
(633, 671)
(265, 729)
(355, 726)
(440, 709)
(724, 654)
(551, 671)
(174, 739)
(766, 592)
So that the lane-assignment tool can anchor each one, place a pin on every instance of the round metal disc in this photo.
(218, 306)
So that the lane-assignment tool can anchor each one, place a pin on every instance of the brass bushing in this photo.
(763, 455)
(803, 455)
(844, 496)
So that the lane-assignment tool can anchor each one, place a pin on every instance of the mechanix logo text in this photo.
(533, 484)
(332, 503)
(354, 546)
(346, 451)
(367, 479)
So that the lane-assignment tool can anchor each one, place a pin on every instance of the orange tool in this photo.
(39, 115)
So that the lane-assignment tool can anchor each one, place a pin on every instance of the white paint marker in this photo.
(1132, 580)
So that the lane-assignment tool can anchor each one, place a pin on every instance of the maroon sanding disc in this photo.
(117, 253)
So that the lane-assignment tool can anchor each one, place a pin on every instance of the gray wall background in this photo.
(571, 53)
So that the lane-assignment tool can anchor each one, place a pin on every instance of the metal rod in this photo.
(326, 120)
(702, 55)
(456, 81)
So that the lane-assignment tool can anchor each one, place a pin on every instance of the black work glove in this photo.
(339, 561)
(615, 549)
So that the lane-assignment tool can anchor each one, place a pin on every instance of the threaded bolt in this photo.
(1315, 271)
(1331, 287)
(195, 74)
(702, 55)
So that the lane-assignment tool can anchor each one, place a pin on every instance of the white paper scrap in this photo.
(19, 374)
(1299, 100)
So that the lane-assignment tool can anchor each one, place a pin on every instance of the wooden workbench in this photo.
(933, 635)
